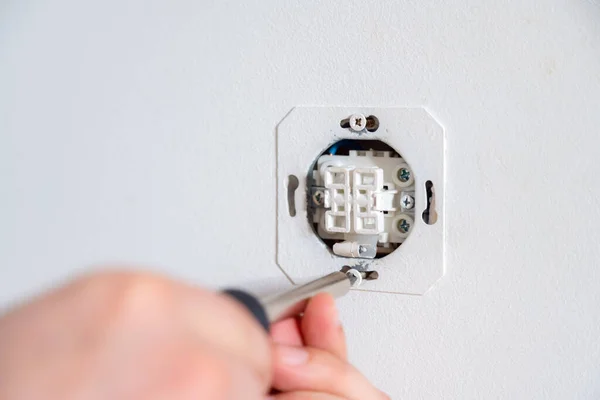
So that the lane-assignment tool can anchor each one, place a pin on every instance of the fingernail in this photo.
(292, 355)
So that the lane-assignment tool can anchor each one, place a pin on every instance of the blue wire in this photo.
(334, 148)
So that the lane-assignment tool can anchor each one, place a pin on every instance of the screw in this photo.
(318, 197)
(404, 174)
(362, 249)
(407, 201)
(368, 275)
(358, 122)
(403, 225)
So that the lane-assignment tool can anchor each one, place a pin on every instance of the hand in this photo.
(132, 336)
(310, 360)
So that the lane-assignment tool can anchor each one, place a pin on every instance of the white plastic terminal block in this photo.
(337, 182)
(362, 201)
(367, 182)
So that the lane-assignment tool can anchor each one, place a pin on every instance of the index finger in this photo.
(321, 327)
(288, 332)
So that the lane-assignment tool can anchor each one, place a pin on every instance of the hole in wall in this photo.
(372, 123)
(292, 185)
(367, 172)
(430, 215)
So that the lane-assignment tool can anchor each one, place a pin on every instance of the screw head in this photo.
(318, 197)
(358, 122)
(362, 249)
(407, 202)
(403, 225)
(403, 174)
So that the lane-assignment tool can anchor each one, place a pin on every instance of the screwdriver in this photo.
(274, 308)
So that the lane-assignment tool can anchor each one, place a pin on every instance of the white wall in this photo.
(144, 132)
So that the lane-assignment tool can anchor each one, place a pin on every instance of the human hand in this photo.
(310, 358)
(132, 336)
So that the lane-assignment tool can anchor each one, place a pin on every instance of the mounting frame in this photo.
(303, 134)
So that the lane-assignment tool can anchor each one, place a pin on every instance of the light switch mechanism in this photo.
(362, 198)
(362, 187)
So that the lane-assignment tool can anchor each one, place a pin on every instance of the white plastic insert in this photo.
(361, 213)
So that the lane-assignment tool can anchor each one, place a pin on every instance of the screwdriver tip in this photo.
(366, 275)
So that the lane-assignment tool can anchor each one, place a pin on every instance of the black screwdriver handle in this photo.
(252, 304)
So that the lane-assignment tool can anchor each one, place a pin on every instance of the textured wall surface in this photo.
(144, 132)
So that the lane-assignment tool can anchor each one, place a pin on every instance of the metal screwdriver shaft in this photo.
(293, 302)
(271, 309)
